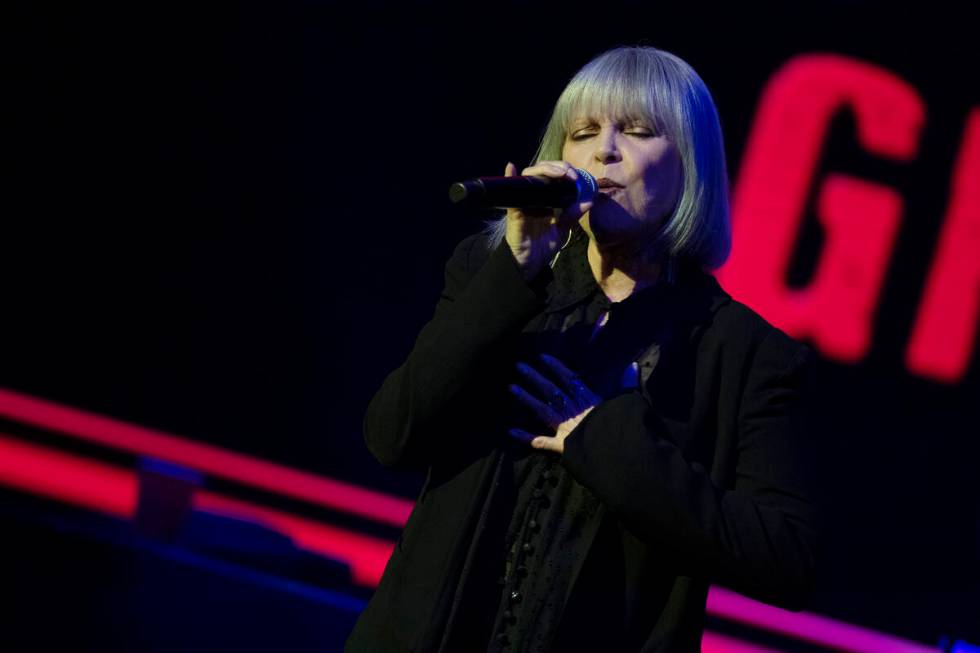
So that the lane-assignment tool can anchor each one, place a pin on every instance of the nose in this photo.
(606, 150)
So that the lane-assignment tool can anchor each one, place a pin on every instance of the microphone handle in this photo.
(523, 192)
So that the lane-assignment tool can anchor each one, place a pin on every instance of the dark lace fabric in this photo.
(544, 525)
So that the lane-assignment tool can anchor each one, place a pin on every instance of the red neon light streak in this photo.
(109, 489)
(859, 218)
(367, 556)
(808, 627)
(106, 488)
(945, 329)
(68, 478)
(206, 458)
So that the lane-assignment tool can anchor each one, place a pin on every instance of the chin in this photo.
(598, 229)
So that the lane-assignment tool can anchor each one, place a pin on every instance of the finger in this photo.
(563, 166)
(547, 444)
(546, 389)
(570, 381)
(521, 435)
(539, 212)
(631, 376)
(510, 170)
(548, 169)
(541, 410)
(573, 214)
(566, 376)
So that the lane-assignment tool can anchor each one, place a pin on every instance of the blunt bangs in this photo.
(629, 84)
(621, 90)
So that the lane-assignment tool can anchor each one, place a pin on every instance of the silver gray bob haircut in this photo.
(630, 83)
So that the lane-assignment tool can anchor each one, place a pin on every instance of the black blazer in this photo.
(706, 463)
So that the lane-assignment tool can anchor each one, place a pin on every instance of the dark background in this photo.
(229, 221)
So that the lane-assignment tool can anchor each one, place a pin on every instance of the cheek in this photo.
(660, 192)
(666, 181)
(571, 155)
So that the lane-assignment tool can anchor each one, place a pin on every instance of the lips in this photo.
(607, 183)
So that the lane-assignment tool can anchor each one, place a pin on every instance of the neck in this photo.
(621, 270)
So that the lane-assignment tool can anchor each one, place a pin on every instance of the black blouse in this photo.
(531, 555)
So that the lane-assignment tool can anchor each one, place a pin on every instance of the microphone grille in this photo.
(587, 186)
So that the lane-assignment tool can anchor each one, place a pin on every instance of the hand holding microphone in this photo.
(527, 191)
(542, 205)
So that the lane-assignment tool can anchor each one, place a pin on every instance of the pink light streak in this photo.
(213, 460)
(68, 478)
(808, 627)
(366, 555)
(108, 489)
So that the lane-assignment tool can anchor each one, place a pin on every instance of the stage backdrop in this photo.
(229, 221)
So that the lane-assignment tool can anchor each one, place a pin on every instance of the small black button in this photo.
(516, 596)
(508, 614)
(533, 525)
(547, 474)
(527, 548)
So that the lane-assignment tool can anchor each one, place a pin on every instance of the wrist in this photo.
(529, 263)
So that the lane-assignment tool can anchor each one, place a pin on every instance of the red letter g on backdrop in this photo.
(860, 218)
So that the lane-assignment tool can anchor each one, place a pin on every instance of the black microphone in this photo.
(524, 192)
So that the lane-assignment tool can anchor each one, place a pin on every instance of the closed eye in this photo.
(639, 132)
(643, 132)
(580, 136)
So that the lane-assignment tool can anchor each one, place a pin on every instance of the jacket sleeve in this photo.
(758, 537)
(485, 299)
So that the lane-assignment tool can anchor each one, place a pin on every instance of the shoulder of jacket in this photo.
(472, 252)
(739, 325)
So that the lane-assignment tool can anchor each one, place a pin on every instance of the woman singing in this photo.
(604, 431)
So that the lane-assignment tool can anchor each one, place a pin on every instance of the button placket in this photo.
(547, 479)
(517, 561)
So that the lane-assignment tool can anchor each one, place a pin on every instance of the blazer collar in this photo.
(694, 296)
